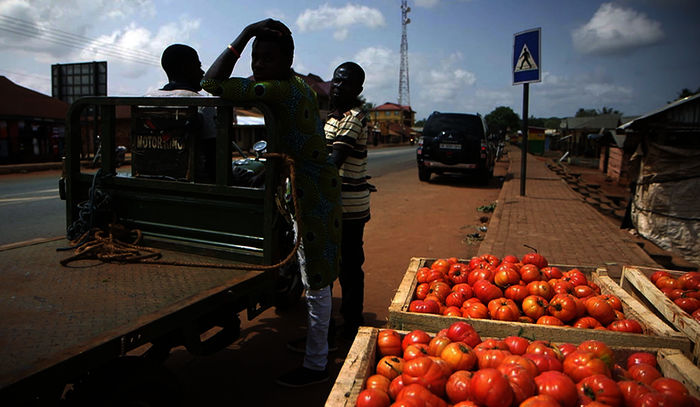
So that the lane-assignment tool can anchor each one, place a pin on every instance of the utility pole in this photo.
(404, 94)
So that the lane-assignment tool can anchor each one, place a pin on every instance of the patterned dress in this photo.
(300, 132)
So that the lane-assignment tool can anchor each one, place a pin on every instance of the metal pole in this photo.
(523, 161)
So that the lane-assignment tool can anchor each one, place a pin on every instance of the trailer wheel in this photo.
(127, 382)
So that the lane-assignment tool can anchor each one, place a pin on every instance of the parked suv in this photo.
(455, 143)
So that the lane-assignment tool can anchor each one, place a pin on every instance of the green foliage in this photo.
(592, 112)
(502, 119)
(552, 123)
(420, 123)
(685, 92)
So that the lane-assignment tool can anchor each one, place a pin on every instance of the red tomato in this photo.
(491, 388)
(441, 289)
(688, 304)
(490, 259)
(583, 291)
(516, 293)
(459, 356)
(561, 287)
(422, 290)
(457, 387)
(455, 299)
(652, 399)
(503, 309)
(667, 282)
(696, 314)
(586, 323)
(415, 350)
(613, 300)
(465, 289)
(441, 265)
(395, 387)
(575, 277)
(521, 361)
(599, 309)
(530, 273)
(580, 364)
(475, 310)
(559, 386)
(544, 348)
(544, 362)
(674, 390)
(541, 288)
(541, 400)
(510, 259)
(566, 349)
(657, 274)
(491, 358)
(599, 388)
(424, 306)
(390, 366)
(389, 342)
(563, 306)
(415, 336)
(626, 325)
(414, 394)
(550, 272)
(426, 372)
(458, 273)
(490, 343)
(452, 311)
(480, 274)
(522, 382)
(485, 291)
(641, 357)
(461, 331)
(437, 344)
(632, 391)
(549, 320)
(600, 350)
(516, 344)
(536, 259)
(373, 398)
(506, 275)
(377, 381)
(644, 373)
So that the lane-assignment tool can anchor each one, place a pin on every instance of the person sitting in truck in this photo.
(300, 132)
(184, 70)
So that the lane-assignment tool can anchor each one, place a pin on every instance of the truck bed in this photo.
(56, 320)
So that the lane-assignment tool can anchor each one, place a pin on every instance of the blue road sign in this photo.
(527, 66)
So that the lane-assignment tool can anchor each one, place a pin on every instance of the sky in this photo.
(630, 55)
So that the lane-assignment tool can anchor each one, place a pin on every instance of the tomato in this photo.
(549, 320)
(491, 358)
(426, 372)
(390, 366)
(458, 273)
(667, 282)
(541, 400)
(575, 277)
(491, 388)
(437, 344)
(566, 349)
(688, 304)
(516, 344)
(550, 272)
(395, 387)
(599, 388)
(583, 291)
(521, 381)
(490, 259)
(486, 291)
(415, 350)
(489, 344)
(455, 299)
(613, 300)
(657, 274)
(559, 386)
(424, 306)
(373, 398)
(544, 362)
(465, 289)
(457, 387)
(521, 361)
(461, 331)
(441, 265)
(674, 390)
(377, 381)
(580, 364)
(452, 311)
(536, 259)
(422, 274)
(599, 309)
(459, 356)
(516, 293)
(561, 287)
(389, 342)
(422, 290)
(641, 357)
(696, 314)
(652, 399)
(510, 259)
(416, 395)
(600, 350)
(441, 289)
(415, 336)
(479, 274)
(632, 391)
(689, 280)
(544, 348)
(541, 288)
(503, 309)
(586, 323)
(626, 325)
(530, 273)
(506, 275)
(644, 373)
(475, 310)
(466, 403)
(563, 306)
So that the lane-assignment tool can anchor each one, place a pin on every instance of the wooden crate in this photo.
(657, 334)
(635, 279)
(362, 360)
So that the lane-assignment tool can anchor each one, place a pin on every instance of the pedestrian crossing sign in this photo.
(526, 57)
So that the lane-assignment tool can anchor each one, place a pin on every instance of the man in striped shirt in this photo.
(346, 136)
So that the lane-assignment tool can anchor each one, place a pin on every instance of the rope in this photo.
(95, 244)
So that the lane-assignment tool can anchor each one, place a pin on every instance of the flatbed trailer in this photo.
(76, 327)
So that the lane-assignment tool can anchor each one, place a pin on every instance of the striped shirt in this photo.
(349, 133)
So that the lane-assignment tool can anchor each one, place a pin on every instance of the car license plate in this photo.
(448, 146)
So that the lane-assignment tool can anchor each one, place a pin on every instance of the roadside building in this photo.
(32, 125)
(665, 153)
(579, 134)
(391, 123)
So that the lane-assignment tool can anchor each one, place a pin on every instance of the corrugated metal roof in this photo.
(685, 111)
(602, 121)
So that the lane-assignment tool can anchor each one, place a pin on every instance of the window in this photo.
(387, 113)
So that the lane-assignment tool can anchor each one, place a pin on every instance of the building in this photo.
(665, 154)
(32, 125)
(391, 123)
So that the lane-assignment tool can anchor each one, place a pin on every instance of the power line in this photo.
(63, 38)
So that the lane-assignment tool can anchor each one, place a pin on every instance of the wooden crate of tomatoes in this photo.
(528, 297)
(674, 295)
(456, 367)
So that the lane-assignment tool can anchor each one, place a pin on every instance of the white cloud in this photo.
(427, 3)
(614, 29)
(339, 18)
(381, 67)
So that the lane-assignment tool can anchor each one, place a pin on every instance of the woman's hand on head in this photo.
(268, 26)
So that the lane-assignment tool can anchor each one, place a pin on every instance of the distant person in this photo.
(181, 64)
(300, 135)
(346, 135)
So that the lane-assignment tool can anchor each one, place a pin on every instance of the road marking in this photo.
(30, 242)
(40, 191)
(33, 198)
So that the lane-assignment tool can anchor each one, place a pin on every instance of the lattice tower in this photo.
(404, 93)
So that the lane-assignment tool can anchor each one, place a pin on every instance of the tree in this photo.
(552, 123)
(609, 110)
(502, 119)
(420, 123)
(685, 92)
(586, 112)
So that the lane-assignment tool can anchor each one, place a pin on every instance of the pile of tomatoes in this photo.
(456, 368)
(684, 291)
(527, 290)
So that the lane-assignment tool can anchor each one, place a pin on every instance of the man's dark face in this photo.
(194, 72)
(268, 61)
(345, 87)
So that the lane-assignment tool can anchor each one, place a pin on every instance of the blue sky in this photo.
(631, 55)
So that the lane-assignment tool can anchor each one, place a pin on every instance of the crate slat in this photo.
(657, 333)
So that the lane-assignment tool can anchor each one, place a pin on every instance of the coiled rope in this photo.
(96, 244)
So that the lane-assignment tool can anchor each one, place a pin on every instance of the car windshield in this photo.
(460, 123)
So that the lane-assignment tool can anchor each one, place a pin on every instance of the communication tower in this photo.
(404, 94)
